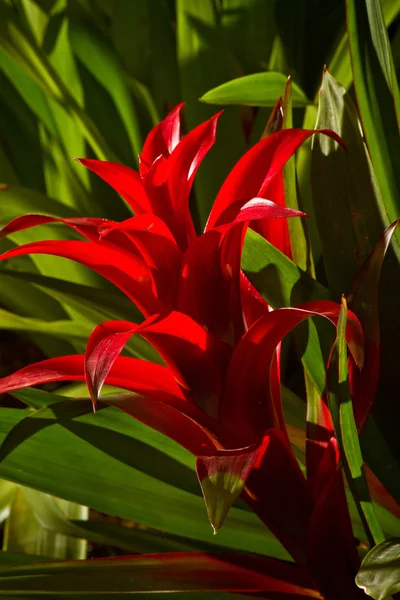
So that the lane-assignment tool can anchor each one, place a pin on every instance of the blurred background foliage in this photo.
(90, 78)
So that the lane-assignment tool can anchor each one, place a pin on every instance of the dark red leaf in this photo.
(210, 281)
(330, 536)
(363, 300)
(278, 493)
(171, 573)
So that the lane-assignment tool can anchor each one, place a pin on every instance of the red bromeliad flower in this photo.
(219, 395)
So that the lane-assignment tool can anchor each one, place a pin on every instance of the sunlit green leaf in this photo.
(259, 89)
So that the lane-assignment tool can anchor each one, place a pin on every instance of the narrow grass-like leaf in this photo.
(340, 65)
(377, 95)
(102, 63)
(347, 202)
(91, 301)
(22, 48)
(341, 408)
(16, 201)
(297, 227)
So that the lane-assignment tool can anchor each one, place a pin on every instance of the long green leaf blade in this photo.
(341, 408)
(377, 94)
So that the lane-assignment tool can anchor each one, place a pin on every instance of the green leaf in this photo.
(80, 299)
(297, 227)
(22, 48)
(341, 407)
(276, 277)
(282, 283)
(259, 89)
(136, 539)
(379, 574)
(92, 302)
(30, 92)
(63, 329)
(103, 64)
(116, 465)
(16, 201)
(339, 65)
(377, 96)
(347, 203)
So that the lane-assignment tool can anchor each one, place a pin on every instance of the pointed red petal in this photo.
(159, 250)
(248, 405)
(157, 402)
(182, 168)
(256, 169)
(124, 180)
(222, 475)
(256, 209)
(132, 277)
(103, 348)
(162, 139)
(197, 359)
(88, 227)
(129, 373)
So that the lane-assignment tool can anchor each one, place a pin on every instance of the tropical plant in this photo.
(205, 316)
